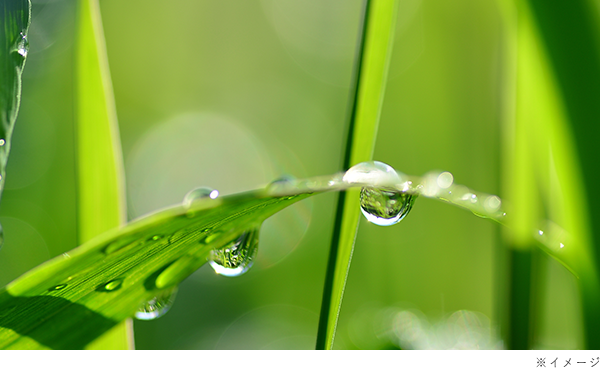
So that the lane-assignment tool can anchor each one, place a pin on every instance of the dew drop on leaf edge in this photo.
(385, 207)
(236, 258)
(199, 193)
(22, 45)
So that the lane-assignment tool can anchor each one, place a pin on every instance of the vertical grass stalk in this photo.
(100, 197)
(369, 81)
(551, 140)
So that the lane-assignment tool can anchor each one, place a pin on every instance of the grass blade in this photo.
(370, 77)
(550, 172)
(101, 200)
(15, 16)
(575, 70)
(70, 301)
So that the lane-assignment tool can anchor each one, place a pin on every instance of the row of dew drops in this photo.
(383, 207)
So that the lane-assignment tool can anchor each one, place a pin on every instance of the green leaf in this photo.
(370, 77)
(100, 189)
(15, 17)
(73, 299)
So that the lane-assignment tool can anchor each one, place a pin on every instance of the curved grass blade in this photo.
(15, 16)
(73, 299)
(370, 77)
(100, 189)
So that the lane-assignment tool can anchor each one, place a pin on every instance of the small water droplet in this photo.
(22, 45)
(58, 287)
(385, 207)
(111, 285)
(562, 245)
(2, 142)
(199, 193)
(236, 258)
(445, 180)
(284, 179)
(157, 306)
(155, 237)
(540, 232)
(211, 237)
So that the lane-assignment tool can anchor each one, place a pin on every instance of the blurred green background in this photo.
(233, 94)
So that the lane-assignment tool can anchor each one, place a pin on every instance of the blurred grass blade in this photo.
(554, 130)
(15, 16)
(572, 52)
(100, 189)
(374, 52)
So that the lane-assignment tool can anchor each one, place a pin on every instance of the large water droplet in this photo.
(157, 306)
(22, 45)
(375, 173)
(236, 258)
(199, 193)
(385, 207)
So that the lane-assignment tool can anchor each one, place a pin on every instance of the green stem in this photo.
(370, 74)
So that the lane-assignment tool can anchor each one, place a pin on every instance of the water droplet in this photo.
(385, 207)
(199, 193)
(157, 306)
(58, 287)
(236, 258)
(111, 285)
(284, 179)
(374, 173)
(155, 237)
(211, 237)
(2, 142)
(562, 245)
(22, 45)
(445, 180)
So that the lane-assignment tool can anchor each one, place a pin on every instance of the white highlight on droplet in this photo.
(562, 245)
(540, 232)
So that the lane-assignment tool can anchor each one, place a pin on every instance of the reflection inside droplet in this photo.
(385, 207)
(157, 306)
(236, 258)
